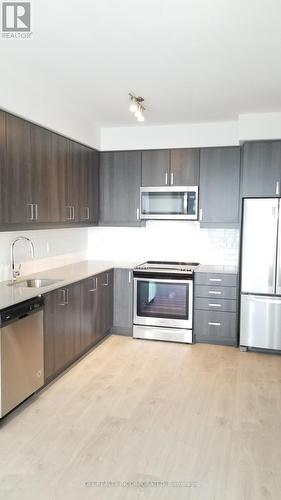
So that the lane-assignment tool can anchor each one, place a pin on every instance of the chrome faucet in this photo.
(16, 273)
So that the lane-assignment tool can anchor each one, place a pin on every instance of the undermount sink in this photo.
(35, 283)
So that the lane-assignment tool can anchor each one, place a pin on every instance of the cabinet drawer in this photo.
(213, 304)
(216, 279)
(215, 328)
(216, 292)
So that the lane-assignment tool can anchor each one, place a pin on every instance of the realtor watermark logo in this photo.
(16, 20)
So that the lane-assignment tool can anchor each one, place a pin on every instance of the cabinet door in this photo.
(41, 173)
(89, 312)
(105, 299)
(219, 185)
(123, 299)
(261, 169)
(57, 178)
(73, 318)
(72, 183)
(3, 170)
(120, 179)
(88, 185)
(155, 168)
(19, 171)
(62, 339)
(185, 167)
(54, 333)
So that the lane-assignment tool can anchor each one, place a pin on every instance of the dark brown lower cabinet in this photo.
(75, 318)
(105, 300)
(89, 312)
(62, 312)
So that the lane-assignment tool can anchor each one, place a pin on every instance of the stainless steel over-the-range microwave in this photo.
(169, 202)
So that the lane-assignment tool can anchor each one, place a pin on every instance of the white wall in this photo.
(53, 248)
(162, 240)
(259, 126)
(188, 135)
(247, 127)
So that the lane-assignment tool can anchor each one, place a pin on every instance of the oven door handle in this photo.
(163, 280)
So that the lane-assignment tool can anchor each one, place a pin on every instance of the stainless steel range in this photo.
(163, 301)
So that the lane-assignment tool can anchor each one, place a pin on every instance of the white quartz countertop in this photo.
(11, 295)
(204, 268)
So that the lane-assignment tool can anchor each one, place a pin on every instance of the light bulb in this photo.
(138, 112)
(133, 106)
(140, 118)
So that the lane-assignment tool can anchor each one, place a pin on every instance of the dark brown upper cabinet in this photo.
(120, 180)
(19, 171)
(88, 203)
(261, 169)
(184, 167)
(42, 179)
(3, 170)
(45, 178)
(219, 186)
(57, 178)
(155, 168)
(178, 167)
(82, 181)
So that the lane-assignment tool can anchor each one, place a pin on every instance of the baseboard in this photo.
(120, 330)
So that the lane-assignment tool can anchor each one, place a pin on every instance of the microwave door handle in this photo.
(185, 202)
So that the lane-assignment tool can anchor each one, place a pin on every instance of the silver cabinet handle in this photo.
(172, 178)
(214, 305)
(87, 212)
(62, 302)
(212, 323)
(36, 211)
(67, 296)
(277, 188)
(94, 285)
(201, 214)
(166, 178)
(69, 217)
(30, 211)
(107, 281)
(215, 279)
(129, 276)
(138, 214)
(73, 213)
(212, 292)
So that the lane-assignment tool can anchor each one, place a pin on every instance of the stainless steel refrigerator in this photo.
(260, 314)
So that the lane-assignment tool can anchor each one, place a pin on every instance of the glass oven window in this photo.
(158, 299)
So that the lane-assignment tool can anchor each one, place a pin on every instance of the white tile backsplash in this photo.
(53, 248)
(159, 240)
(165, 240)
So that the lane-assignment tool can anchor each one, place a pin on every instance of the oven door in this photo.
(163, 302)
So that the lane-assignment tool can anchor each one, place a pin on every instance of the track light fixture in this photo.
(136, 106)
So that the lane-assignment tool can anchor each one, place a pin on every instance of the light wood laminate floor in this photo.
(142, 411)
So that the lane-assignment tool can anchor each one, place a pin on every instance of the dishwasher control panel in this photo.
(18, 311)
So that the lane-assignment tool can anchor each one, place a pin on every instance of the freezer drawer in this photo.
(260, 322)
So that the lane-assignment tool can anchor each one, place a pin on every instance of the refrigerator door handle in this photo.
(272, 267)
(278, 255)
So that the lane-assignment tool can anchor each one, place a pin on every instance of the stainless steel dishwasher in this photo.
(21, 352)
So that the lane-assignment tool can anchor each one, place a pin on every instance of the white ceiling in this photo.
(192, 60)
